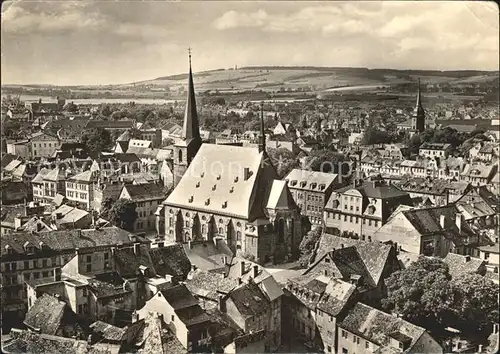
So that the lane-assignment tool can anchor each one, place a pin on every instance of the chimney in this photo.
(193, 268)
(169, 278)
(341, 245)
(441, 221)
(467, 258)
(135, 316)
(220, 302)
(255, 271)
(57, 274)
(190, 244)
(246, 173)
(242, 268)
(458, 221)
(224, 260)
(113, 250)
(18, 221)
(137, 248)
(240, 281)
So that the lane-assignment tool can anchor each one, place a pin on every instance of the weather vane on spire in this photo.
(189, 52)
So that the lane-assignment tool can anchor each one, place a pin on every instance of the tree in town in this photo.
(426, 295)
(71, 107)
(122, 214)
(97, 139)
(475, 302)
(283, 160)
(421, 293)
(105, 110)
(329, 161)
(307, 246)
(373, 135)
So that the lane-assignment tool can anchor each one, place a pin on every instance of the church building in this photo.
(418, 117)
(231, 193)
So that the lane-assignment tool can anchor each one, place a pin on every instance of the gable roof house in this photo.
(182, 313)
(49, 315)
(383, 333)
(434, 231)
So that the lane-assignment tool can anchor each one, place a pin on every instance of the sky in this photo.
(110, 42)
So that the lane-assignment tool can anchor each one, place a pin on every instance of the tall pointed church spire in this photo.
(191, 128)
(262, 137)
(418, 119)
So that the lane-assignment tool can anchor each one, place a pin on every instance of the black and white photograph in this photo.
(250, 177)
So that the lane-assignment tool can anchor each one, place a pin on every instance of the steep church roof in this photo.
(226, 180)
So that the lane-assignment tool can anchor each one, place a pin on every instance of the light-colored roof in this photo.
(12, 165)
(139, 143)
(39, 177)
(280, 197)
(215, 181)
(83, 177)
(56, 174)
(318, 181)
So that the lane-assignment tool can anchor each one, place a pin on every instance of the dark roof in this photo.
(170, 260)
(108, 284)
(179, 297)
(108, 331)
(112, 190)
(374, 255)
(33, 343)
(378, 327)
(249, 299)
(66, 239)
(124, 157)
(209, 284)
(460, 265)
(114, 124)
(145, 191)
(249, 338)
(374, 190)
(6, 159)
(51, 316)
(127, 262)
(316, 286)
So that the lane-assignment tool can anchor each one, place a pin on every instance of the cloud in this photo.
(233, 19)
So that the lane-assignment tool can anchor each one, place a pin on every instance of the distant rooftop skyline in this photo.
(102, 42)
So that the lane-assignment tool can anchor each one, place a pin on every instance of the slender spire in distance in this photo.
(191, 128)
(262, 137)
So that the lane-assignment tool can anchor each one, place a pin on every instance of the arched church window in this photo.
(238, 236)
(281, 230)
(220, 231)
(180, 155)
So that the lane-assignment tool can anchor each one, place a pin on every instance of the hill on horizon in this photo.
(317, 78)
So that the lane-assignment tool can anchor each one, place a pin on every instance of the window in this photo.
(45, 274)
(486, 255)
(180, 160)
(26, 276)
(80, 309)
(344, 334)
(329, 349)
(26, 264)
(172, 318)
(44, 263)
(367, 345)
(344, 351)
(89, 258)
(187, 223)
(89, 267)
(238, 236)
(36, 275)
(106, 255)
(220, 231)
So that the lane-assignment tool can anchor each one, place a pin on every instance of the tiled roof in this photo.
(51, 316)
(172, 260)
(460, 265)
(147, 191)
(179, 297)
(435, 146)
(310, 180)
(127, 262)
(108, 284)
(249, 299)
(55, 175)
(215, 182)
(87, 176)
(374, 255)
(66, 239)
(336, 296)
(158, 339)
(378, 327)
(34, 343)
(209, 285)
(108, 331)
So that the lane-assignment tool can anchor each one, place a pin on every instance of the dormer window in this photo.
(198, 184)
(191, 198)
(293, 182)
(303, 184)
(313, 185)
(231, 190)
(235, 179)
(214, 187)
(8, 249)
(224, 205)
(218, 177)
(28, 248)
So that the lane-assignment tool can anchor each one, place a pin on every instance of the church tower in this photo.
(187, 147)
(418, 117)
